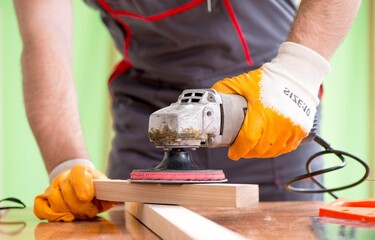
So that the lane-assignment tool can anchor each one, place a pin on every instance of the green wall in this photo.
(346, 105)
(1, 109)
(22, 174)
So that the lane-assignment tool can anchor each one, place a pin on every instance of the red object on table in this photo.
(361, 210)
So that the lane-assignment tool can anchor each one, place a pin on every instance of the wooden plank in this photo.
(176, 222)
(225, 195)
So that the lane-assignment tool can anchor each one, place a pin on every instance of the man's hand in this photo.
(282, 98)
(71, 196)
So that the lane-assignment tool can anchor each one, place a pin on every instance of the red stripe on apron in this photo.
(125, 64)
(159, 16)
(240, 34)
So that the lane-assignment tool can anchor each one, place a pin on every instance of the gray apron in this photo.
(170, 46)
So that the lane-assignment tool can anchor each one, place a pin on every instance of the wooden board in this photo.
(225, 195)
(176, 222)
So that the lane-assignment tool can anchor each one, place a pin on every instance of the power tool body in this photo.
(199, 118)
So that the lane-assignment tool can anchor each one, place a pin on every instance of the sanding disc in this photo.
(177, 176)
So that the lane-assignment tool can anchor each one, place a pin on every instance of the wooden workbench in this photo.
(271, 220)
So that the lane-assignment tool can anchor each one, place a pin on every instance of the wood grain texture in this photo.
(176, 222)
(271, 220)
(225, 195)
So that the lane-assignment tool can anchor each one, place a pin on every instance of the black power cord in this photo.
(310, 174)
(13, 200)
(19, 225)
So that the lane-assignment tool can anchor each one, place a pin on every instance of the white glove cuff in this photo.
(291, 81)
(68, 165)
(303, 64)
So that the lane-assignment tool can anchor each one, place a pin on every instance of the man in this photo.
(255, 47)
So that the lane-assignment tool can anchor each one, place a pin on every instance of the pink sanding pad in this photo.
(178, 176)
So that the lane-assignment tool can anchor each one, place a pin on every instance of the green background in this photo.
(348, 104)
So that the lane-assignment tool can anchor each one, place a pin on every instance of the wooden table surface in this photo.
(271, 220)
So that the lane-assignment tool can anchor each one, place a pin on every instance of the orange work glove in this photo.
(282, 98)
(71, 196)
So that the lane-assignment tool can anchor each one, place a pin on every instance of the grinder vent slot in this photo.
(191, 97)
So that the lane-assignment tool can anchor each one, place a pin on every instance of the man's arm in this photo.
(49, 91)
(321, 25)
(283, 97)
